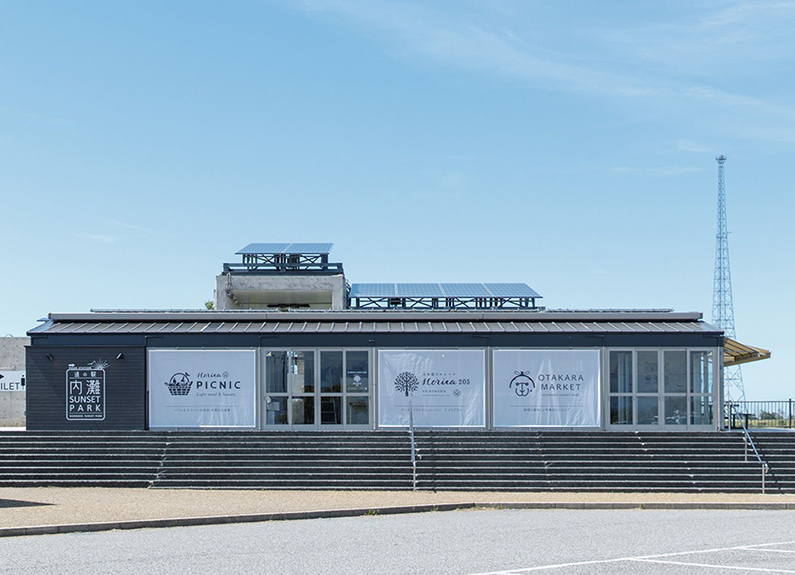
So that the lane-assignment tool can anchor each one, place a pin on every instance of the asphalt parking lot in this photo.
(458, 542)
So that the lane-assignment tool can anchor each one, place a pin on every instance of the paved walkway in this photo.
(48, 510)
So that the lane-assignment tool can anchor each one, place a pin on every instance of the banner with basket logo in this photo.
(202, 388)
(546, 388)
(446, 388)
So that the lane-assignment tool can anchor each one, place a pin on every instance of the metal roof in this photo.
(442, 290)
(199, 327)
(286, 248)
(197, 322)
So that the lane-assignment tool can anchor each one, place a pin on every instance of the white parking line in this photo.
(653, 558)
(718, 567)
(557, 566)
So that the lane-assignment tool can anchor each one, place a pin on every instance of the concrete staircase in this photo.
(454, 460)
(287, 460)
(101, 459)
(576, 461)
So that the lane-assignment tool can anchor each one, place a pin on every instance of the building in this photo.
(293, 346)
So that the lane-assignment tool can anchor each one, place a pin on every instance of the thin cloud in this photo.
(418, 30)
(691, 146)
(447, 157)
(488, 42)
(673, 170)
(659, 171)
(102, 239)
(34, 116)
(451, 180)
(135, 227)
(750, 15)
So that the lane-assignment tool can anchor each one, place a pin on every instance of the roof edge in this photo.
(382, 315)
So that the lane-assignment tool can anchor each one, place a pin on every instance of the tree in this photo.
(406, 382)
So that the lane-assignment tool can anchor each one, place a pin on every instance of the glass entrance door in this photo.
(316, 389)
(289, 400)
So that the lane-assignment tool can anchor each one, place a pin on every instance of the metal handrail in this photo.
(413, 449)
(749, 440)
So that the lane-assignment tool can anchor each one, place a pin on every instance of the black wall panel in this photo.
(125, 387)
(419, 340)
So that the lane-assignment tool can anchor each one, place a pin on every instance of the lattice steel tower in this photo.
(722, 302)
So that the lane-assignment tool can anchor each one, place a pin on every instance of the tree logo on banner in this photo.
(179, 384)
(407, 382)
(522, 384)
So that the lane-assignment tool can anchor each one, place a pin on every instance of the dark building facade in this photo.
(360, 369)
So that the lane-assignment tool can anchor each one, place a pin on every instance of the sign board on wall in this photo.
(546, 388)
(12, 380)
(85, 391)
(445, 388)
(202, 388)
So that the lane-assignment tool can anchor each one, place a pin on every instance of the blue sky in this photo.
(568, 145)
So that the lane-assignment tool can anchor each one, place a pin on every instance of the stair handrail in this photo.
(413, 449)
(749, 440)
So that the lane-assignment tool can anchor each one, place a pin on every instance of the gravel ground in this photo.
(26, 507)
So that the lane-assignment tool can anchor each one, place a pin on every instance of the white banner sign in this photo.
(207, 388)
(445, 388)
(12, 380)
(546, 388)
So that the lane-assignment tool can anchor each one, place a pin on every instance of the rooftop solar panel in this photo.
(419, 290)
(373, 290)
(311, 248)
(429, 290)
(286, 248)
(465, 290)
(263, 249)
(512, 290)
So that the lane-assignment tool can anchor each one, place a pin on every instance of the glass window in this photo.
(303, 410)
(701, 372)
(666, 387)
(647, 372)
(620, 372)
(303, 367)
(331, 410)
(357, 373)
(621, 410)
(276, 368)
(331, 372)
(675, 410)
(648, 411)
(701, 410)
(358, 411)
(276, 410)
(675, 371)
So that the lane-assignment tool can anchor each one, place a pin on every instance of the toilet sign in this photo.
(12, 380)
(85, 392)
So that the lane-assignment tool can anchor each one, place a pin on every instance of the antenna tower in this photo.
(722, 302)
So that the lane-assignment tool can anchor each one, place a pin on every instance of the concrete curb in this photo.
(331, 513)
